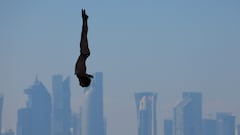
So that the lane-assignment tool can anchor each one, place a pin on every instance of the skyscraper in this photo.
(168, 127)
(24, 121)
(146, 113)
(8, 132)
(225, 124)
(188, 115)
(76, 124)
(209, 127)
(61, 105)
(238, 129)
(1, 106)
(35, 119)
(92, 115)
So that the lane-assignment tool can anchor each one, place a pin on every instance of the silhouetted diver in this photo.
(80, 67)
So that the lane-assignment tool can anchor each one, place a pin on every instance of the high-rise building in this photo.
(188, 115)
(76, 124)
(238, 129)
(209, 127)
(225, 124)
(146, 113)
(8, 132)
(35, 119)
(92, 113)
(168, 127)
(61, 105)
(24, 121)
(1, 106)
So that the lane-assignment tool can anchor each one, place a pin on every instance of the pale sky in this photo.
(140, 45)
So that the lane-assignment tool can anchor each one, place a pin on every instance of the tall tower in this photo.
(61, 105)
(188, 115)
(35, 119)
(225, 124)
(76, 123)
(209, 127)
(24, 121)
(92, 115)
(8, 132)
(168, 127)
(146, 113)
(1, 106)
(238, 129)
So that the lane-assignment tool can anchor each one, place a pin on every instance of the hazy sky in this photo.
(140, 45)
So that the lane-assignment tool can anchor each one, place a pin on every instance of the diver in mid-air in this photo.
(80, 67)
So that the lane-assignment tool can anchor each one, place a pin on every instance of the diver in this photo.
(80, 67)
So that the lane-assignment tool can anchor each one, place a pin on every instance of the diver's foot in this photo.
(84, 15)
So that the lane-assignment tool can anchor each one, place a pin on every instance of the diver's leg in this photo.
(84, 41)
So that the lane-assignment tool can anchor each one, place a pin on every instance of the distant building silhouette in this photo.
(168, 127)
(225, 124)
(35, 119)
(61, 105)
(146, 113)
(92, 115)
(1, 109)
(76, 124)
(238, 129)
(24, 121)
(188, 115)
(8, 132)
(209, 127)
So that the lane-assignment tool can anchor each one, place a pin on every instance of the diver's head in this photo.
(84, 81)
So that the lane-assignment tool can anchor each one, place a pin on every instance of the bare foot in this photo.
(84, 15)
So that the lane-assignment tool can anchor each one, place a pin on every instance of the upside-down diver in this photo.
(80, 67)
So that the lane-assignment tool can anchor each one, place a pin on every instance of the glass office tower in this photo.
(61, 105)
(35, 119)
(76, 124)
(238, 129)
(92, 110)
(209, 127)
(188, 115)
(225, 124)
(146, 113)
(168, 127)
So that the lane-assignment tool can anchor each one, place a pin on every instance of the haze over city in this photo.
(167, 47)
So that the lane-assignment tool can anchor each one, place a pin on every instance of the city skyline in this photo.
(35, 118)
(223, 123)
(166, 47)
